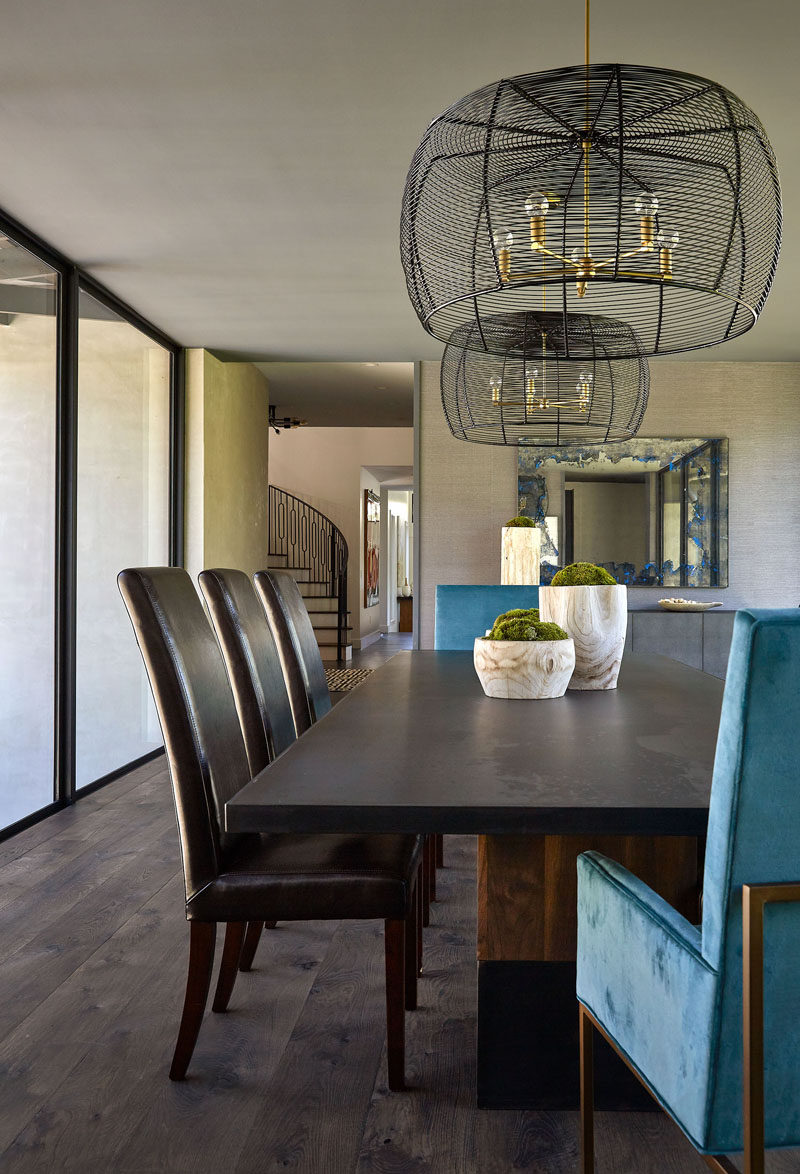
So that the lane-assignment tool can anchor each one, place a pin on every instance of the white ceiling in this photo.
(330, 395)
(235, 171)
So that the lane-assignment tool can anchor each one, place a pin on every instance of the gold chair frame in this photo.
(754, 900)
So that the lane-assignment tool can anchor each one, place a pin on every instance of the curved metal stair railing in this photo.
(310, 542)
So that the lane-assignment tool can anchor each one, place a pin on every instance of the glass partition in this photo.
(28, 369)
(122, 521)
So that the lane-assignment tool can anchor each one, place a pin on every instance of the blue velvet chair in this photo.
(669, 995)
(464, 612)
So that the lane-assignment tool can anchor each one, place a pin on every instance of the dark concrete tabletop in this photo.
(419, 748)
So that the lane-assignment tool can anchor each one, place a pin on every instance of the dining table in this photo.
(419, 748)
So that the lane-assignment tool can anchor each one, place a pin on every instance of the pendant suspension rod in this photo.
(586, 143)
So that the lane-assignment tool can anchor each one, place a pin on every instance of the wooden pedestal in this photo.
(527, 936)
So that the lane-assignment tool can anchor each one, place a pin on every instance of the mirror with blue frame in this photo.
(652, 511)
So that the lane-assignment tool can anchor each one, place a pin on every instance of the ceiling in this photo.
(234, 171)
(393, 476)
(330, 395)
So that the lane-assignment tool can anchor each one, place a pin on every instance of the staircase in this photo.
(308, 545)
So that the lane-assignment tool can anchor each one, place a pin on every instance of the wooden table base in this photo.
(527, 927)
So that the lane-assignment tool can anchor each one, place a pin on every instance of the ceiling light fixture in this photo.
(283, 423)
(538, 384)
(653, 192)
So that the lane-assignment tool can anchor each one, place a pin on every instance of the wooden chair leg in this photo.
(410, 955)
(229, 966)
(395, 937)
(251, 939)
(432, 865)
(419, 921)
(439, 838)
(426, 884)
(202, 940)
(587, 1093)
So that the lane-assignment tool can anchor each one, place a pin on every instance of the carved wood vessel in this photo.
(531, 669)
(521, 555)
(596, 619)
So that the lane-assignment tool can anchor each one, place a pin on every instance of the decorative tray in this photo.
(685, 605)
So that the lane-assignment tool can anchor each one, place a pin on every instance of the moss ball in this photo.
(531, 614)
(521, 520)
(550, 631)
(582, 575)
(525, 629)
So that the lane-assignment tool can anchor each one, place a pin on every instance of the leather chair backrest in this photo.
(754, 837)
(464, 612)
(297, 646)
(253, 664)
(195, 706)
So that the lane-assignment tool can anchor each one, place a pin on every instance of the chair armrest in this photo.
(642, 975)
(630, 887)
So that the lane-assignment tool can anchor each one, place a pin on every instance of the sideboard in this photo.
(699, 639)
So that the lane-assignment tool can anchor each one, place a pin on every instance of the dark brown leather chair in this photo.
(239, 879)
(254, 667)
(262, 702)
(308, 688)
(297, 646)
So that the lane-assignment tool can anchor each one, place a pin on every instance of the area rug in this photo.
(343, 680)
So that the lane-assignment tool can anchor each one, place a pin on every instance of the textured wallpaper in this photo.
(467, 490)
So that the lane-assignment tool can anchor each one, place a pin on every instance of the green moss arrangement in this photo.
(520, 520)
(529, 614)
(582, 575)
(525, 625)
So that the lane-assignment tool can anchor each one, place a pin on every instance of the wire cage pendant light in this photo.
(645, 194)
(544, 379)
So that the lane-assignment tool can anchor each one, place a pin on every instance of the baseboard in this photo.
(365, 641)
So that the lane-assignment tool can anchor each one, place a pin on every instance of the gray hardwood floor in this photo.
(293, 1077)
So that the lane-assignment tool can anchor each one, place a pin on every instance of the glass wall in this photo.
(123, 474)
(91, 453)
(28, 369)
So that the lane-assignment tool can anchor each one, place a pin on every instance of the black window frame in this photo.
(72, 280)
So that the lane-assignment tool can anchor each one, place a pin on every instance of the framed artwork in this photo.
(372, 526)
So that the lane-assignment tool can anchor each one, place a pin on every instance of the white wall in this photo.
(323, 466)
(467, 491)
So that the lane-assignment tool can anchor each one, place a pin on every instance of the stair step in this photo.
(328, 653)
(322, 604)
(301, 574)
(326, 620)
(315, 590)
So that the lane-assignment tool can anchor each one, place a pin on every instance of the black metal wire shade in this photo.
(648, 195)
(544, 381)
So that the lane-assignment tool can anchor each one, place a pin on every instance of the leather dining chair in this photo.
(259, 690)
(708, 1017)
(307, 685)
(240, 879)
(297, 646)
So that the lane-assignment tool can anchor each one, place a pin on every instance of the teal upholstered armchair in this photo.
(464, 612)
(669, 995)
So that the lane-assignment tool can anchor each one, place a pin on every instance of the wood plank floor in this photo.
(293, 1077)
